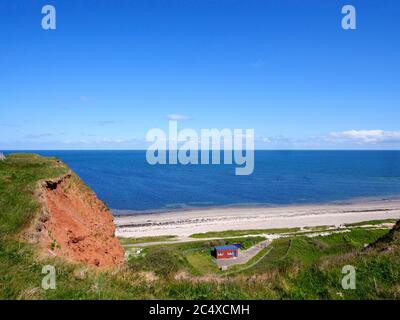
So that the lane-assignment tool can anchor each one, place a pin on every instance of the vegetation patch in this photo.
(238, 233)
(372, 223)
(318, 228)
(192, 257)
(129, 241)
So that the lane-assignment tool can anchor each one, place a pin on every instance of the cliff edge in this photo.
(75, 224)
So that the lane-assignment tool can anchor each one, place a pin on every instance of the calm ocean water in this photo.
(125, 181)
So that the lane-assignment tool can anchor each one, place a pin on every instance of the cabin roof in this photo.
(227, 247)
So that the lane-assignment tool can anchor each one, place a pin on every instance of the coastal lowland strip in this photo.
(296, 262)
(215, 221)
(264, 238)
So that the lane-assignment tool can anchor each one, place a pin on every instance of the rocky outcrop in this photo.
(75, 224)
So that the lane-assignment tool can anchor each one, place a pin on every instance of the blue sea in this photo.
(125, 181)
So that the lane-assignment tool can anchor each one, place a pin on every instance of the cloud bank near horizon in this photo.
(349, 139)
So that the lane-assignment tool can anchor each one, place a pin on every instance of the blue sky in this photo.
(112, 70)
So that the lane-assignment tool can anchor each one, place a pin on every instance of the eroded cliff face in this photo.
(75, 224)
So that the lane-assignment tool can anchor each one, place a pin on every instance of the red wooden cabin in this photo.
(226, 252)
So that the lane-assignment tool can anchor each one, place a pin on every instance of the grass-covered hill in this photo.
(296, 267)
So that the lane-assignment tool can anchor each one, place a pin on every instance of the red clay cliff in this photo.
(76, 225)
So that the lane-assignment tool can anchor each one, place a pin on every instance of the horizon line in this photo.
(305, 149)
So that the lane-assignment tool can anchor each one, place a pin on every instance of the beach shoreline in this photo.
(189, 208)
(183, 223)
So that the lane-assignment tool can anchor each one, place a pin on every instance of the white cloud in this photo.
(349, 139)
(366, 136)
(177, 117)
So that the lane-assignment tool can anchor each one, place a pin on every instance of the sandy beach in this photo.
(185, 223)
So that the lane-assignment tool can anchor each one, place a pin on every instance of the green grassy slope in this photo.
(296, 267)
(19, 175)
